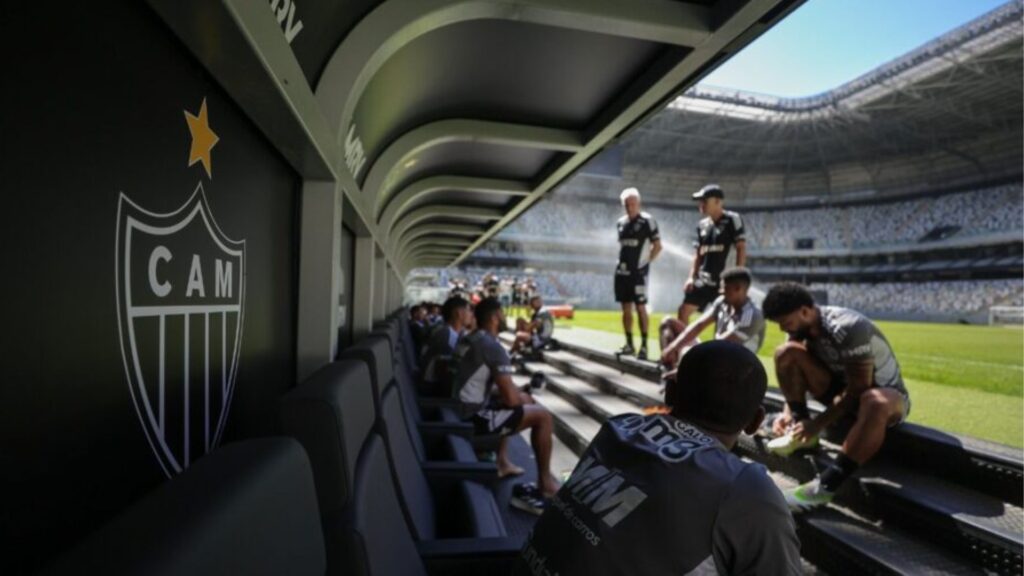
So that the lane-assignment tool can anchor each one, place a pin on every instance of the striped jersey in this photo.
(746, 323)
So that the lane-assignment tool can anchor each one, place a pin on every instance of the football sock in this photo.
(629, 339)
(837, 472)
(798, 410)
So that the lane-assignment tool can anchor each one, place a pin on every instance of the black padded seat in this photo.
(471, 508)
(408, 345)
(247, 508)
(331, 414)
(375, 351)
(379, 540)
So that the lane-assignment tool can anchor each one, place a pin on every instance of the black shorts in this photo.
(500, 421)
(701, 295)
(631, 287)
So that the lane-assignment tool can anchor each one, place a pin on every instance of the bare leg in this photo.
(505, 466)
(541, 426)
(669, 330)
(685, 311)
(521, 339)
(641, 311)
(799, 372)
(627, 317)
(879, 408)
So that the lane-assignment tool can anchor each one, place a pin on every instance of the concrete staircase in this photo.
(930, 503)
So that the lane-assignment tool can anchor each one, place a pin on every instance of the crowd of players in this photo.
(674, 468)
(513, 292)
(461, 357)
(679, 460)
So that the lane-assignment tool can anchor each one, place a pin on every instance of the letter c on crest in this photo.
(159, 253)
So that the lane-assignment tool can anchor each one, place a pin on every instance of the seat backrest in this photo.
(405, 357)
(379, 541)
(375, 351)
(331, 414)
(413, 488)
(408, 345)
(247, 508)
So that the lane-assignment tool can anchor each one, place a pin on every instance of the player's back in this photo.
(655, 495)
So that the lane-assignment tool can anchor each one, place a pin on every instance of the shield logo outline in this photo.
(132, 217)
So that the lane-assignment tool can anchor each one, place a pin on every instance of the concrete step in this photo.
(574, 428)
(641, 391)
(976, 525)
(588, 399)
(838, 542)
(843, 544)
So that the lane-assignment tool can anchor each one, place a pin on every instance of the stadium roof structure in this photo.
(947, 113)
(437, 122)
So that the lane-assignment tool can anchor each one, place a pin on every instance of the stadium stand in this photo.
(909, 298)
(970, 213)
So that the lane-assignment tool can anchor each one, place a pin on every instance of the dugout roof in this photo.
(443, 120)
(947, 113)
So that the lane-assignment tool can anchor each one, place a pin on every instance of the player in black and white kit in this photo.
(717, 233)
(663, 494)
(538, 331)
(639, 245)
(842, 359)
(735, 316)
(494, 405)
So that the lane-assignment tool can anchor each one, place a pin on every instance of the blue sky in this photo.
(825, 43)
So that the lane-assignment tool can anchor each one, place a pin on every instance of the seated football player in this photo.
(839, 357)
(663, 493)
(536, 332)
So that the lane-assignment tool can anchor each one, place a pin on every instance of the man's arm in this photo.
(510, 396)
(748, 326)
(741, 252)
(694, 269)
(859, 377)
(655, 249)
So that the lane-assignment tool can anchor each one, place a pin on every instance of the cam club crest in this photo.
(180, 301)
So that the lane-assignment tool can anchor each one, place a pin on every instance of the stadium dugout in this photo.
(211, 200)
(215, 206)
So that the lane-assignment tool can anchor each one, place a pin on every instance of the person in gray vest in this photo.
(538, 331)
(843, 360)
(441, 345)
(663, 494)
(735, 316)
(493, 403)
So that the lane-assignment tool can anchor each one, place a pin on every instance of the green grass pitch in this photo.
(963, 379)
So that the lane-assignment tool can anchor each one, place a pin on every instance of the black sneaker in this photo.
(626, 350)
(642, 355)
(529, 502)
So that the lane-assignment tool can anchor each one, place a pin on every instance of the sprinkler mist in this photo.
(669, 273)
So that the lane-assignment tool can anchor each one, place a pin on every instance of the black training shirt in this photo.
(654, 495)
(714, 240)
(636, 238)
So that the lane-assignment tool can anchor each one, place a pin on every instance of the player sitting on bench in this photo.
(537, 332)
(736, 318)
